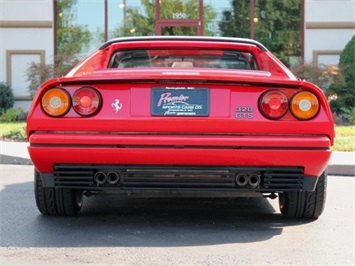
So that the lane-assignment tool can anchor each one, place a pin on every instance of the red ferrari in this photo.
(180, 116)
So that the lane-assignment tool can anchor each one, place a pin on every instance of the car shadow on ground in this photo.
(113, 221)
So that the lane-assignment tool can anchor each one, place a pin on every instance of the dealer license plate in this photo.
(180, 101)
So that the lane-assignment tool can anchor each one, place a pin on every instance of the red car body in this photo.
(196, 130)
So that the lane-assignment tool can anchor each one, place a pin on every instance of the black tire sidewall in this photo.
(52, 201)
(307, 205)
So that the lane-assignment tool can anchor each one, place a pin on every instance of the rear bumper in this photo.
(311, 153)
(188, 181)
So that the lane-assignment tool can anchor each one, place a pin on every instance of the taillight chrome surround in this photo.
(85, 101)
(275, 104)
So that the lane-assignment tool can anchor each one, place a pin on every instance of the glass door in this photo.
(179, 30)
(179, 17)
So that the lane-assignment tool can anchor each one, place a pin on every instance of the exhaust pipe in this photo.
(242, 180)
(254, 180)
(113, 178)
(100, 178)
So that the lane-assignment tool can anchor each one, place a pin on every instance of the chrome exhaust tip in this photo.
(113, 178)
(254, 180)
(242, 180)
(100, 178)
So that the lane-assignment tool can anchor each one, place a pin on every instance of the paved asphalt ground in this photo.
(341, 163)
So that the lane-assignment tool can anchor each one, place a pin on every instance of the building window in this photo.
(79, 27)
(278, 25)
(130, 18)
(82, 26)
(275, 23)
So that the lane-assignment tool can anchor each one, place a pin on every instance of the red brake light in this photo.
(273, 104)
(86, 101)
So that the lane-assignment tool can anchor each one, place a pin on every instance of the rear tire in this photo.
(306, 205)
(61, 202)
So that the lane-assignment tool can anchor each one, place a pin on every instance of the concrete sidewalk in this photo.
(341, 163)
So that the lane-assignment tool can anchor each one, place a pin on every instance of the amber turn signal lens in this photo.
(86, 101)
(304, 105)
(56, 102)
(273, 104)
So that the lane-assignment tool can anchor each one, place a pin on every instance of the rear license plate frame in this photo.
(180, 101)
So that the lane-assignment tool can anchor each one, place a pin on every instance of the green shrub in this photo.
(350, 113)
(10, 115)
(7, 98)
(37, 74)
(7, 127)
(345, 92)
(347, 63)
(16, 134)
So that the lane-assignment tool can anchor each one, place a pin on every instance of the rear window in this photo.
(183, 58)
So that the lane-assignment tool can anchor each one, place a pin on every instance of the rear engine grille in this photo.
(101, 177)
(277, 179)
(69, 177)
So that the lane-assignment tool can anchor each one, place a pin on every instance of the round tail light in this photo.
(273, 104)
(86, 101)
(304, 105)
(56, 102)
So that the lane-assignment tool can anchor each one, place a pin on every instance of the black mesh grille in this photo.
(278, 179)
(70, 176)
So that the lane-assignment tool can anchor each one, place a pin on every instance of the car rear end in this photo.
(192, 130)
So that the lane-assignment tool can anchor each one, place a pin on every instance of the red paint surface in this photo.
(228, 136)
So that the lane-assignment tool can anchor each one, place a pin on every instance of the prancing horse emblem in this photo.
(116, 105)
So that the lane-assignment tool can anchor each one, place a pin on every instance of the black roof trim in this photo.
(184, 38)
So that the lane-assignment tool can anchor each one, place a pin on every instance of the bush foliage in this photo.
(7, 98)
(12, 115)
(323, 76)
(38, 73)
(345, 92)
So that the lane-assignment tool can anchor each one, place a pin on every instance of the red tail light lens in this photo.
(273, 104)
(86, 101)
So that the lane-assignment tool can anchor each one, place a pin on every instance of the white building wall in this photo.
(26, 10)
(329, 26)
(26, 35)
(330, 10)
